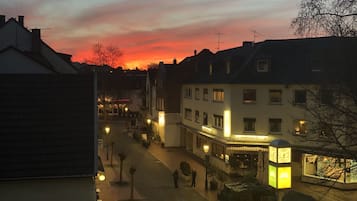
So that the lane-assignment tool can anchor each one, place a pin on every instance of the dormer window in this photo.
(263, 65)
(228, 67)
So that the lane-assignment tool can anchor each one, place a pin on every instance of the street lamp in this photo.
(101, 176)
(107, 132)
(206, 149)
(279, 165)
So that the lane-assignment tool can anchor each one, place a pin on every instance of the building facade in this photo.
(246, 97)
(48, 120)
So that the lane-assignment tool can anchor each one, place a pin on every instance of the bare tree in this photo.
(331, 17)
(109, 55)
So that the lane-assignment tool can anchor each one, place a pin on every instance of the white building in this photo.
(248, 96)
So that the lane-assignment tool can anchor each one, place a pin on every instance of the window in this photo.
(218, 121)
(218, 151)
(205, 119)
(218, 95)
(197, 93)
(249, 124)
(244, 160)
(228, 67)
(197, 116)
(249, 96)
(275, 125)
(263, 65)
(275, 96)
(326, 96)
(188, 114)
(300, 97)
(188, 92)
(200, 142)
(160, 104)
(210, 69)
(205, 94)
(300, 127)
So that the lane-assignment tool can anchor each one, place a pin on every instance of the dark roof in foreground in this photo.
(47, 126)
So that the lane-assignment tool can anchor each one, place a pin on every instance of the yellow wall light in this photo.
(161, 118)
(227, 123)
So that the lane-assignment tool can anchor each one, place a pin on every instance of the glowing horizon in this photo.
(148, 32)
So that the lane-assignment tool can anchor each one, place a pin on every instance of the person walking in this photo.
(194, 174)
(175, 176)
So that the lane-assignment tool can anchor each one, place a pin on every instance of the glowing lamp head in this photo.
(148, 121)
(107, 130)
(206, 148)
(126, 109)
(101, 177)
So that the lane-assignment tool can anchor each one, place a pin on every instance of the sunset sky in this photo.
(150, 31)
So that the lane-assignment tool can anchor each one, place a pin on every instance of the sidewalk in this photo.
(171, 158)
(110, 189)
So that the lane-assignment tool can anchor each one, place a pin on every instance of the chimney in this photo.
(248, 44)
(36, 40)
(175, 61)
(2, 20)
(195, 52)
(21, 20)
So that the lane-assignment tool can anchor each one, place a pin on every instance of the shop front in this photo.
(339, 172)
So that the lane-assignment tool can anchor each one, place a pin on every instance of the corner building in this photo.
(245, 97)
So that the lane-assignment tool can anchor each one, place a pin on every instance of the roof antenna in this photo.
(219, 40)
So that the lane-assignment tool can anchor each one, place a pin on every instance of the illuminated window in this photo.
(218, 95)
(218, 121)
(249, 124)
(197, 116)
(188, 114)
(300, 97)
(275, 125)
(300, 127)
(188, 92)
(205, 94)
(249, 96)
(275, 96)
(205, 119)
(197, 93)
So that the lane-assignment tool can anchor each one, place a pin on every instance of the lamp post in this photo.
(206, 149)
(279, 166)
(107, 132)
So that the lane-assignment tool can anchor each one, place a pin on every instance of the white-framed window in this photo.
(300, 126)
(249, 124)
(197, 93)
(218, 121)
(275, 125)
(188, 92)
(300, 96)
(249, 96)
(188, 114)
(263, 65)
(205, 94)
(218, 95)
(197, 116)
(275, 96)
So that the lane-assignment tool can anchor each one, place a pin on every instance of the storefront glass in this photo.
(330, 168)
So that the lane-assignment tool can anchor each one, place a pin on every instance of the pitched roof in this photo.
(45, 60)
(292, 61)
